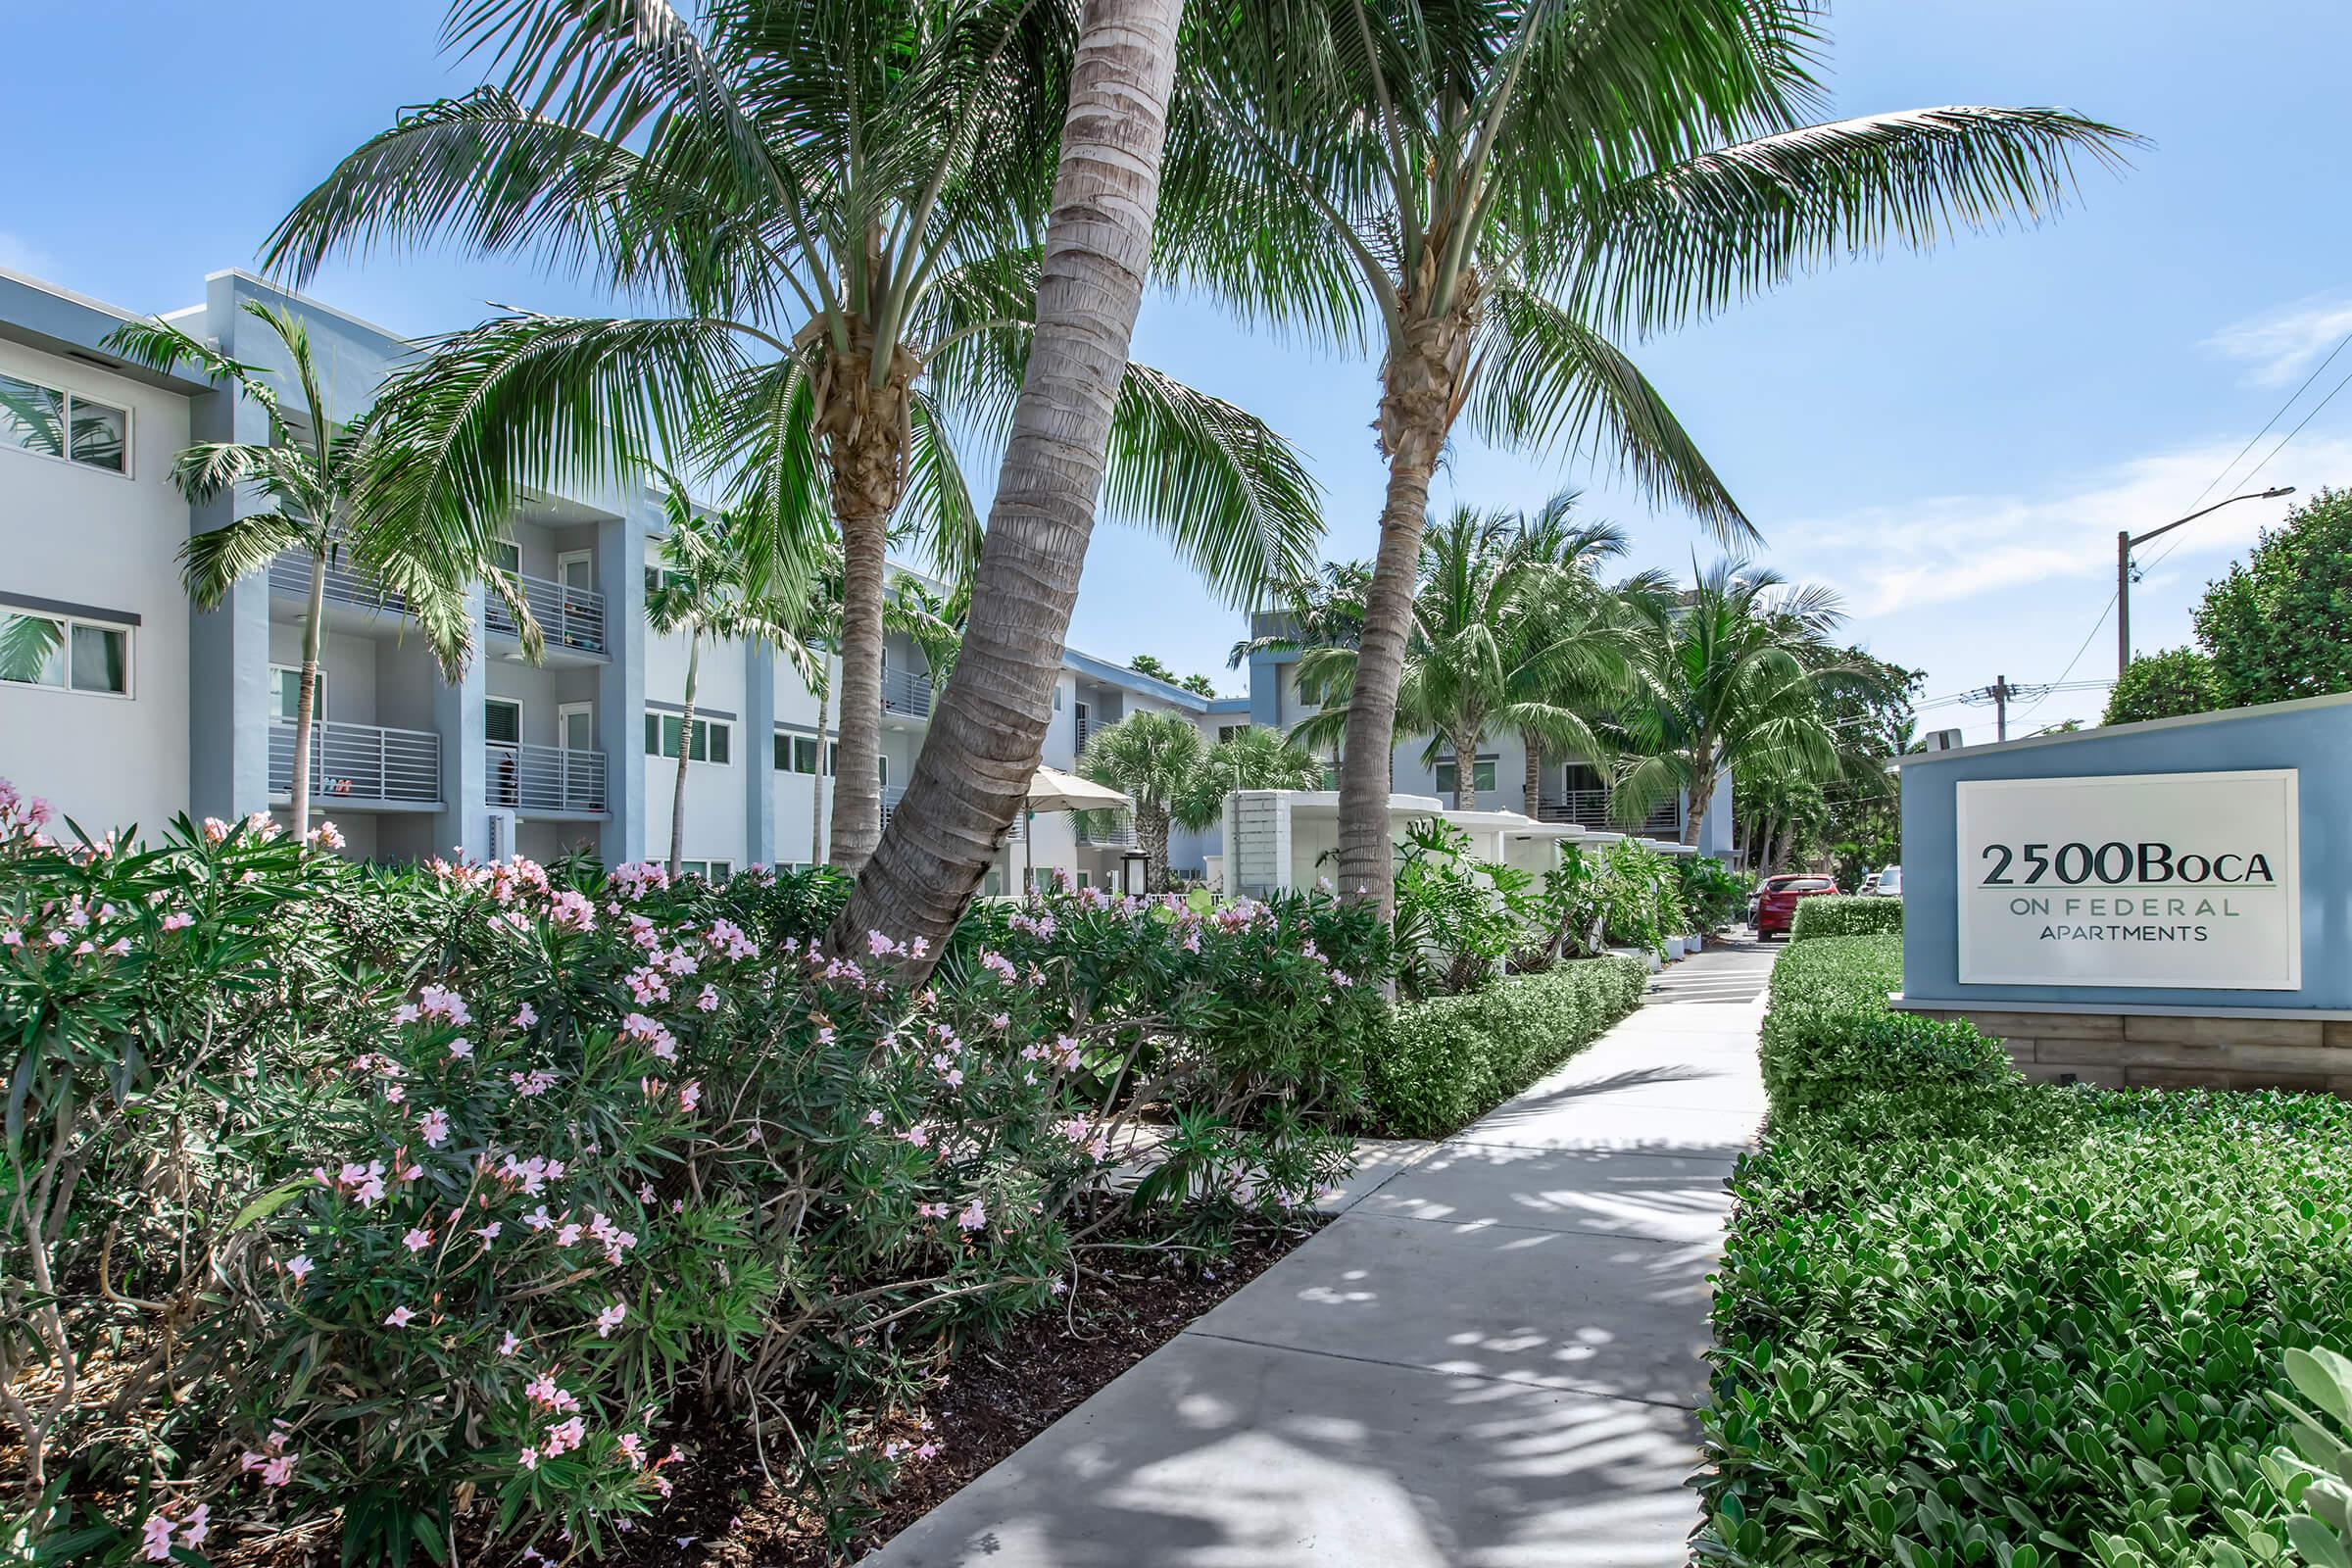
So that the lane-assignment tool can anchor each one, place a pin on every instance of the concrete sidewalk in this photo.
(1488, 1360)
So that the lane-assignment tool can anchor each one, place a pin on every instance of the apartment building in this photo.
(122, 703)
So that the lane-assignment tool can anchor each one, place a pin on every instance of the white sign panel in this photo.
(2182, 880)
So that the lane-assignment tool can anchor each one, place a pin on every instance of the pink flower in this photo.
(488, 1233)
(707, 1002)
(528, 1458)
(199, 1525)
(434, 1125)
(400, 1314)
(609, 1319)
(156, 1533)
(279, 1471)
(878, 946)
(418, 1239)
(565, 1436)
(461, 1048)
(326, 836)
(974, 1217)
(632, 1449)
(299, 1266)
(873, 1118)
(569, 911)
(177, 920)
(691, 1097)
(509, 1345)
(525, 1017)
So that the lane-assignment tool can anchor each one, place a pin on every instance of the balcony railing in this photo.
(546, 778)
(290, 579)
(359, 764)
(1107, 830)
(890, 801)
(906, 693)
(567, 617)
(1591, 809)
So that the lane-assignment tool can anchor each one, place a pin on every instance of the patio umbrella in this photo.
(1052, 790)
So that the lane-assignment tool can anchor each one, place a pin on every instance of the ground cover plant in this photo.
(394, 1214)
(1967, 1319)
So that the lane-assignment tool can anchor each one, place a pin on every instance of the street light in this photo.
(2125, 542)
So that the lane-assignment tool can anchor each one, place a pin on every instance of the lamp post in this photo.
(2125, 541)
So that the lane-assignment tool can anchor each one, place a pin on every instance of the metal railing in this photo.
(906, 692)
(1107, 830)
(567, 617)
(546, 778)
(891, 797)
(360, 764)
(290, 577)
(1591, 809)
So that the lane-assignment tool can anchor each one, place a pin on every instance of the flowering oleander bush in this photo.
(416, 1209)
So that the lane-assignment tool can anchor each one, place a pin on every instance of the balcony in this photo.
(1105, 830)
(1591, 809)
(359, 766)
(891, 797)
(546, 780)
(290, 579)
(570, 618)
(906, 694)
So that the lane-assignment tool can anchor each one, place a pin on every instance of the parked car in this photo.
(1870, 885)
(1888, 884)
(1775, 903)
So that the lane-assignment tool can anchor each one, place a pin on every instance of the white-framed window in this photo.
(795, 753)
(285, 692)
(714, 740)
(54, 423)
(1086, 879)
(833, 763)
(502, 721)
(66, 653)
(1226, 732)
(1481, 774)
(507, 556)
(1057, 699)
(708, 870)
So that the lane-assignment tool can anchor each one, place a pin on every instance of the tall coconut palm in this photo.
(1501, 638)
(306, 471)
(1736, 672)
(989, 729)
(710, 587)
(831, 209)
(1484, 191)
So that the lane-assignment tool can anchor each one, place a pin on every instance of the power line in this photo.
(2275, 451)
(2214, 483)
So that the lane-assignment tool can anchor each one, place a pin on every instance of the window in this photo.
(1481, 774)
(502, 721)
(1057, 699)
(796, 754)
(285, 692)
(65, 652)
(60, 425)
(507, 555)
(708, 870)
(714, 740)
(1227, 732)
(833, 763)
(1086, 879)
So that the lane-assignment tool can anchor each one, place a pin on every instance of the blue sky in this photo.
(1950, 440)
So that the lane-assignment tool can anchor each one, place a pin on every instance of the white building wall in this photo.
(83, 536)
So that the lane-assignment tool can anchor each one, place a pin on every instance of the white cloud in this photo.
(20, 256)
(2281, 344)
(1945, 549)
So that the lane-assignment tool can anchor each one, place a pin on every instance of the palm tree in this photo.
(834, 208)
(305, 470)
(1484, 191)
(1736, 670)
(709, 587)
(1501, 637)
(989, 729)
(1252, 757)
(1152, 757)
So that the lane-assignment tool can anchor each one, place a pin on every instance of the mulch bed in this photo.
(995, 1396)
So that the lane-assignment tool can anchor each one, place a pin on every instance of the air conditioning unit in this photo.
(1943, 740)
(502, 835)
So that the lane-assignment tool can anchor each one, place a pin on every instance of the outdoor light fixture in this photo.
(2125, 540)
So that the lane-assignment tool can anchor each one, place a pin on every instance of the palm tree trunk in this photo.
(1466, 772)
(1152, 826)
(306, 699)
(816, 785)
(1531, 789)
(858, 771)
(677, 799)
(1424, 368)
(988, 728)
(1702, 789)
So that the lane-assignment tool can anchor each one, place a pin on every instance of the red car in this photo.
(1776, 901)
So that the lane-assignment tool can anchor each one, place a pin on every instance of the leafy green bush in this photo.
(1451, 1059)
(1713, 895)
(1458, 917)
(1640, 897)
(1834, 914)
(1965, 1319)
(1827, 1031)
(2164, 685)
(437, 1207)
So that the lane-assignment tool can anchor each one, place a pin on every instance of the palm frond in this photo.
(215, 560)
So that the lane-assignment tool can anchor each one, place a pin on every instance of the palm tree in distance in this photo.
(306, 473)
(1160, 762)
(708, 586)
(1252, 757)
(1735, 672)
(832, 212)
(1482, 192)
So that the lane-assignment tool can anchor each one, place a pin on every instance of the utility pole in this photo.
(2000, 693)
(2001, 690)
(2125, 541)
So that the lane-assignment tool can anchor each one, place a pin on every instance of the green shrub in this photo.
(1448, 1060)
(1965, 1319)
(1827, 1031)
(1640, 897)
(1713, 895)
(1833, 914)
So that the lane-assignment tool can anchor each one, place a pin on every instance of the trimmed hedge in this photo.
(1966, 1319)
(1829, 1033)
(1836, 915)
(1449, 1059)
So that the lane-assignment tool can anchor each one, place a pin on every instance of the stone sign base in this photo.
(2172, 1050)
